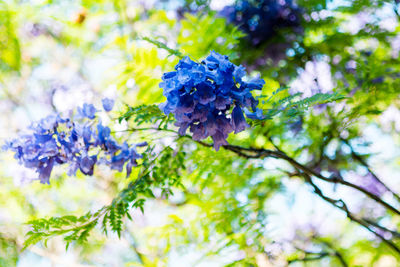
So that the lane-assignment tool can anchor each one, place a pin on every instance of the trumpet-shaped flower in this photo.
(202, 96)
(81, 144)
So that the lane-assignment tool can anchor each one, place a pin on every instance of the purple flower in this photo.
(261, 19)
(239, 122)
(56, 141)
(108, 104)
(87, 111)
(201, 96)
(219, 140)
(87, 164)
(44, 169)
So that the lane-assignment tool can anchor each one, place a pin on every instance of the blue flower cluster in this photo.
(57, 141)
(202, 95)
(261, 19)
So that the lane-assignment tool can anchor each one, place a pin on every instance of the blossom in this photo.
(108, 104)
(87, 111)
(80, 144)
(260, 19)
(238, 120)
(202, 96)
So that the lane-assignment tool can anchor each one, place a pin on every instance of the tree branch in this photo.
(308, 173)
(263, 153)
(376, 225)
(259, 153)
(338, 203)
(312, 258)
(359, 158)
(336, 253)
(320, 255)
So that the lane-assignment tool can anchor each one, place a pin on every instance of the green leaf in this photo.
(163, 46)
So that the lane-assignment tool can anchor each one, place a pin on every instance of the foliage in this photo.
(163, 172)
(10, 58)
(291, 106)
(8, 252)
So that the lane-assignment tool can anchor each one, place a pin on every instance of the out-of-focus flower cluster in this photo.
(261, 19)
(81, 143)
(201, 96)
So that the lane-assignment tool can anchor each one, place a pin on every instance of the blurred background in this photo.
(58, 54)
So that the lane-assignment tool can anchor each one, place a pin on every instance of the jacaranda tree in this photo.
(218, 133)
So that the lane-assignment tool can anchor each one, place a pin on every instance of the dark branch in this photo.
(338, 203)
(359, 158)
(258, 153)
(376, 225)
(310, 258)
(263, 153)
(307, 173)
(336, 253)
